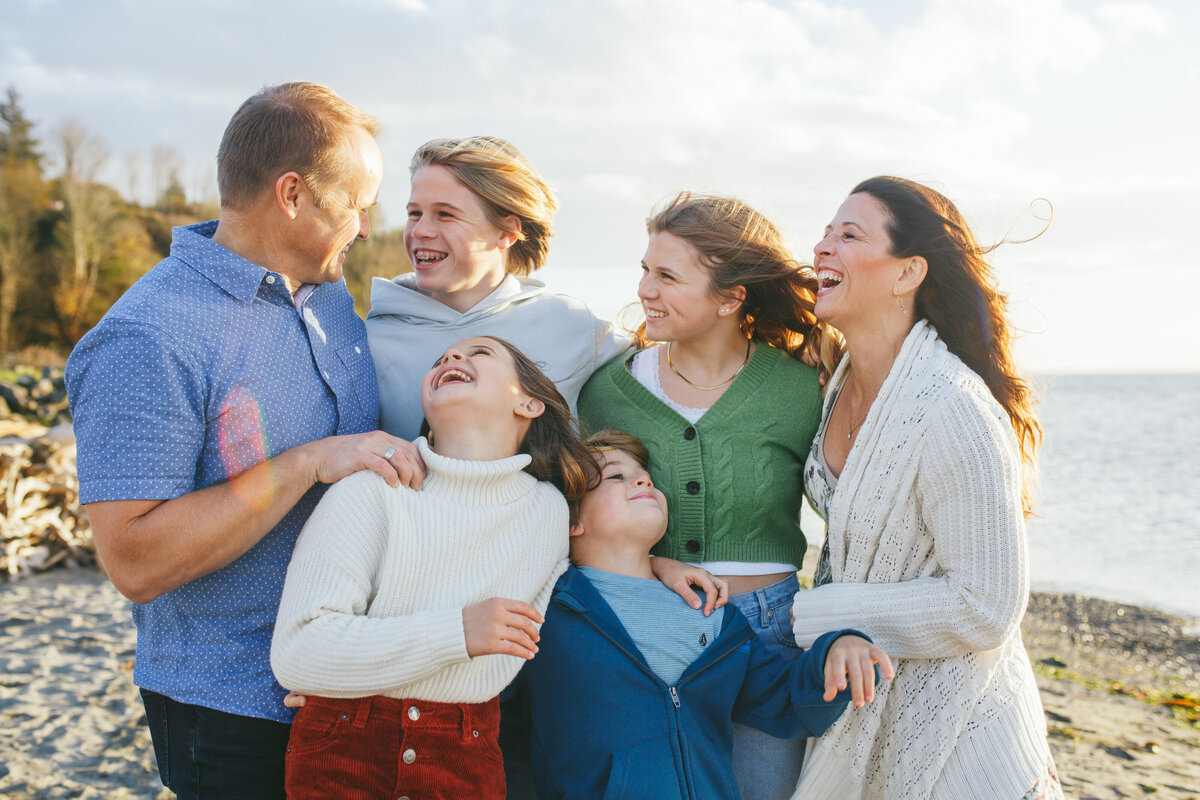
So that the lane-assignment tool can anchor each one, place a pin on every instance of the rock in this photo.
(15, 395)
(42, 389)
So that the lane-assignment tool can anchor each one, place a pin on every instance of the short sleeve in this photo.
(139, 413)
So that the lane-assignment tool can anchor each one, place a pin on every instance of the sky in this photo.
(1000, 104)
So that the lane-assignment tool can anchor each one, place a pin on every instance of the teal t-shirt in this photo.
(668, 632)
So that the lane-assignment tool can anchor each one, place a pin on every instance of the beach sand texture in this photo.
(72, 725)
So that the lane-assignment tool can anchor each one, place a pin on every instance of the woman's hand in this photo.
(680, 578)
(851, 660)
(499, 626)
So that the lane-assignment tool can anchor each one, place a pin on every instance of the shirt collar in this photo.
(239, 277)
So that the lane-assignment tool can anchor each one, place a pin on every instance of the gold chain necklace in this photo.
(850, 412)
(725, 382)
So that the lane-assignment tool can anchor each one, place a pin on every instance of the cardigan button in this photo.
(692, 546)
(690, 433)
(693, 487)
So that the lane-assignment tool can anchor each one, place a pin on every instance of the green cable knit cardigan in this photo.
(732, 480)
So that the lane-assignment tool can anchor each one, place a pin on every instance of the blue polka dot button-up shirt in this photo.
(205, 367)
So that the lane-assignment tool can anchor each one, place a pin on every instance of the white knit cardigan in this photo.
(374, 594)
(927, 546)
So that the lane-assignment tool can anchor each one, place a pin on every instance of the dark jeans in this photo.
(204, 754)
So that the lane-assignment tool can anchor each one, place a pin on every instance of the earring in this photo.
(900, 303)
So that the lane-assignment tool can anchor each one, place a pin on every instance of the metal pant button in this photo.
(409, 756)
(413, 713)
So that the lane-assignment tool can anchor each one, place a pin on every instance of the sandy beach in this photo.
(71, 723)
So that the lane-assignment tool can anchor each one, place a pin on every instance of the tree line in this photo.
(70, 245)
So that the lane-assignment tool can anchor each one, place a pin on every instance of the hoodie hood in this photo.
(400, 298)
(408, 330)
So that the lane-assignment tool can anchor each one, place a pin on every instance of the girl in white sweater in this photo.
(406, 612)
(917, 470)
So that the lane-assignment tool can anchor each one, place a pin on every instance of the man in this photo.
(212, 404)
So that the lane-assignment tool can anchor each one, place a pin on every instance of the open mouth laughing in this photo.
(827, 281)
(452, 375)
(424, 258)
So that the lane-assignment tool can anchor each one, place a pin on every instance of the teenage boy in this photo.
(633, 693)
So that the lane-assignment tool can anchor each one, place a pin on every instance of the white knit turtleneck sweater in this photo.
(375, 591)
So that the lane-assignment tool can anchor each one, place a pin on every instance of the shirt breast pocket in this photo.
(361, 389)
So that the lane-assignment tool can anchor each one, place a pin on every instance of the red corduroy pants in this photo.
(380, 747)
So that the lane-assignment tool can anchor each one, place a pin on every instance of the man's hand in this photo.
(295, 700)
(501, 626)
(395, 460)
(851, 660)
(680, 577)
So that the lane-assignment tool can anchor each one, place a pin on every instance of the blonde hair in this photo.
(741, 247)
(292, 127)
(507, 185)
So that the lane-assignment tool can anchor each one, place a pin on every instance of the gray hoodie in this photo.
(407, 331)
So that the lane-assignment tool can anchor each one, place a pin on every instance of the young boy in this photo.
(632, 693)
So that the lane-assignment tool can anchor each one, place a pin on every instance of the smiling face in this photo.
(478, 373)
(675, 290)
(456, 252)
(856, 271)
(625, 507)
(331, 228)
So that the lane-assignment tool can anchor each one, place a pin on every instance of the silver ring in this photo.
(387, 454)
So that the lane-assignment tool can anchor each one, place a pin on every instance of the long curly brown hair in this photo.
(741, 247)
(961, 299)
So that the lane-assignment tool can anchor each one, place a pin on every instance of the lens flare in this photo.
(242, 443)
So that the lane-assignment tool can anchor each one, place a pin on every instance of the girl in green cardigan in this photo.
(728, 411)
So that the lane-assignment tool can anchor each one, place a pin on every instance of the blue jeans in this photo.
(203, 753)
(767, 768)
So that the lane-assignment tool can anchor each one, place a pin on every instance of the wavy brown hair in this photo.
(961, 299)
(741, 247)
(507, 185)
(552, 441)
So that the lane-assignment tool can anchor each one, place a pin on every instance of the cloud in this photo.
(621, 103)
(1125, 21)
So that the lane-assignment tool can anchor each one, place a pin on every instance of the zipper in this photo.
(672, 690)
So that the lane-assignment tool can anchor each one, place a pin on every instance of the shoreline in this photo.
(72, 724)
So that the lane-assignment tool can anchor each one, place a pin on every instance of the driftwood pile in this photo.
(41, 523)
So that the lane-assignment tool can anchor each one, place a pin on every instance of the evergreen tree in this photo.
(16, 136)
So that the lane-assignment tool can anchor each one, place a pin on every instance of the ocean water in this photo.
(1118, 514)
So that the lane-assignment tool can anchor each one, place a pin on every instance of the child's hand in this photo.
(854, 658)
(499, 626)
(295, 700)
(680, 577)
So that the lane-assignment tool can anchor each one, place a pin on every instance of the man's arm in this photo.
(150, 547)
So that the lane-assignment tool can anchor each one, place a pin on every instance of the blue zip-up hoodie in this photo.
(604, 725)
